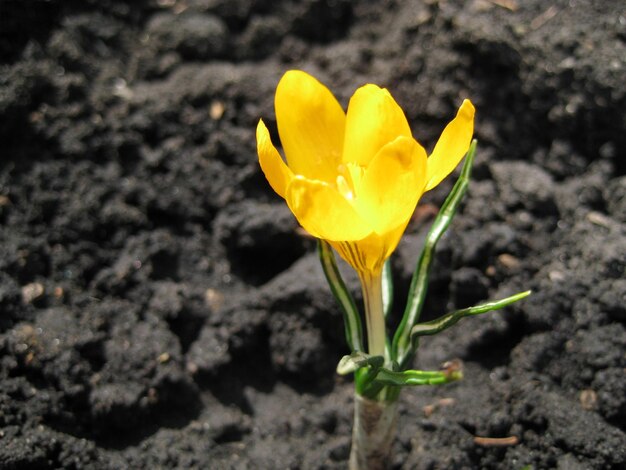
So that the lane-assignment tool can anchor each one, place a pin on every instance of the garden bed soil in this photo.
(160, 307)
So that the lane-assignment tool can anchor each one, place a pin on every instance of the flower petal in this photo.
(323, 212)
(392, 185)
(277, 173)
(311, 125)
(451, 146)
(374, 119)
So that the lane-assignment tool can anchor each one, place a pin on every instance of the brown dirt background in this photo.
(159, 307)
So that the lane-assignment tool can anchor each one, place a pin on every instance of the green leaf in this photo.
(351, 318)
(417, 377)
(387, 287)
(446, 321)
(402, 347)
(356, 360)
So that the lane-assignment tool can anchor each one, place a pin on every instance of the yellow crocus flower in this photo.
(354, 179)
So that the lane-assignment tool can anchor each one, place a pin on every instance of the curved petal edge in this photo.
(276, 171)
(451, 146)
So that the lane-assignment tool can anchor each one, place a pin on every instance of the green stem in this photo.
(371, 283)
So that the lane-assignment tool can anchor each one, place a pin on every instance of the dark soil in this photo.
(160, 308)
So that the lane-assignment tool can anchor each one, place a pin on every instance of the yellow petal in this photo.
(374, 119)
(451, 146)
(311, 125)
(323, 212)
(392, 185)
(277, 173)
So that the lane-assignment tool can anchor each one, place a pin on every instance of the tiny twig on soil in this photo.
(510, 5)
(430, 409)
(496, 441)
(542, 19)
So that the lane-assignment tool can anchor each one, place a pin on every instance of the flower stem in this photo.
(371, 283)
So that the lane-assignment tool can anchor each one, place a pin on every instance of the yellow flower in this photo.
(354, 178)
